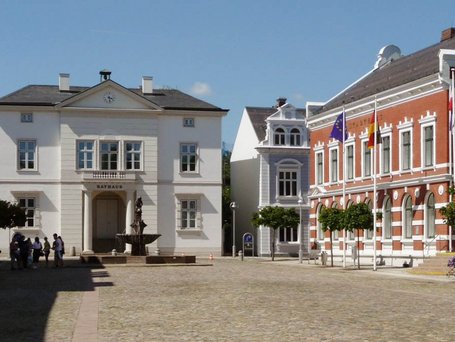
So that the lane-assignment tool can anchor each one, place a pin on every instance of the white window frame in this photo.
(109, 154)
(405, 128)
(85, 152)
(405, 219)
(187, 155)
(316, 153)
(133, 153)
(331, 150)
(281, 136)
(348, 164)
(365, 149)
(368, 234)
(288, 183)
(295, 138)
(319, 232)
(26, 117)
(30, 210)
(27, 155)
(424, 148)
(426, 216)
(382, 155)
(288, 235)
(387, 215)
(181, 212)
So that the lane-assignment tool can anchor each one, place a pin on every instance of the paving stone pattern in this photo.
(254, 300)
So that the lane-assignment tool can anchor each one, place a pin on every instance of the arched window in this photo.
(319, 232)
(430, 216)
(387, 218)
(351, 234)
(336, 233)
(279, 137)
(407, 217)
(295, 137)
(369, 233)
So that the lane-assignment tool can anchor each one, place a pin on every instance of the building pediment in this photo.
(109, 95)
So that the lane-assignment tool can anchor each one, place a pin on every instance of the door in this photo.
(106, 224)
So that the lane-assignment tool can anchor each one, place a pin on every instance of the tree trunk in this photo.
(273, 245)
(358, 249)
(331, 250)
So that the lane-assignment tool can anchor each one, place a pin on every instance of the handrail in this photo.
(427, 245)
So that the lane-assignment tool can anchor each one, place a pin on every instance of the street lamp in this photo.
(233, 206)
(300, 202)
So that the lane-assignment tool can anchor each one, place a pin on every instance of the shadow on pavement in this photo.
(28, 296)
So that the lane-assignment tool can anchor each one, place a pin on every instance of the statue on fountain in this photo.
(137, 238)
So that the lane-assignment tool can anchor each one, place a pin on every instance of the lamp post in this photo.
(300, 202)
(233, 206)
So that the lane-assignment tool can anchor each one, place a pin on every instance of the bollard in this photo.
(73, 251)
(241, 255)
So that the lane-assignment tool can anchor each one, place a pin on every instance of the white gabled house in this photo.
(270, 167)
(78, 157)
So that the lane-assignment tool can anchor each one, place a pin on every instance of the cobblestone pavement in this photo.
(254, 300)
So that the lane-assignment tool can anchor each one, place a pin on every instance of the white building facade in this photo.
(77, 158)
(270, 167)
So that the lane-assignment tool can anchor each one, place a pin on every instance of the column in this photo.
(88, 230)
(129, 217)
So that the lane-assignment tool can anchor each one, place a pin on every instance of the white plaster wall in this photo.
(206, 133)
(45, 130)
(245, 141)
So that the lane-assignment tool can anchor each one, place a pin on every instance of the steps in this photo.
(436, 265)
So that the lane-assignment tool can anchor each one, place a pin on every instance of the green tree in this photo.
(11, 215)
(448, 211)
(331, 219)
(275, 218)
(358, 216)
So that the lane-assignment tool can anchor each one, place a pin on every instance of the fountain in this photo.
(138, 239)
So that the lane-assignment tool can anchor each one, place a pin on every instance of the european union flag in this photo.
(337, 130)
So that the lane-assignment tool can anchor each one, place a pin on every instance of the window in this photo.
(319, 168)
(406, 150)
(385, 154)
(188, 157)
(27, 155)
(334, 165)
(279, 137)
(350, 162)
(369, 232)
(366, 160)
(26, 117)
(387, 218)
(85, 150)
(295, 137)
(319, 232)
(109, 155)
(133, 155)
(188, 122)
(430, 216)
(288, 235)
(428, 146)
(188, 214)
(287, 183)
(29, 205)
(407, 218)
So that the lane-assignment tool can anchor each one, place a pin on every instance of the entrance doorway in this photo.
(108, 220)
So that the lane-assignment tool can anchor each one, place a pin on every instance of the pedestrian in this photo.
(62, 251)
(14, 253)
(23, 251)
(57, 247)
(46, 250)
(37, 250)
(29, 251)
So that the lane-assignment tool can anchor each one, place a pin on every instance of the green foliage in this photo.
(11, 215)
(331, 219)
(358, 216)
(448, 213)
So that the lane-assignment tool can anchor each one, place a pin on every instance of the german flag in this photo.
(372, 128)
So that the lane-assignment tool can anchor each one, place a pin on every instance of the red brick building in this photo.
(414, 166)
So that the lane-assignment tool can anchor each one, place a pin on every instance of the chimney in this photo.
(280, 101)
(448, 34)
(64, 82)
(147, 85)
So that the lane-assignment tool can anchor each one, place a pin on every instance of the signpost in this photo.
(248, 243)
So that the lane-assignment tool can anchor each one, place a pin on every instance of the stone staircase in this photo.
(436, 265)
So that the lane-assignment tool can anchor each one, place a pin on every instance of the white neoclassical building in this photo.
(76, 158)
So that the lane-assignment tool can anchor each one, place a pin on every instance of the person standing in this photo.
(57, 247)
(46, 250)
(14, 254)
(37, 250)
(23, 250)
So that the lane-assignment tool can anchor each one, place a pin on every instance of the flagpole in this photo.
(374, 182)
(451, 96)
(344, 186)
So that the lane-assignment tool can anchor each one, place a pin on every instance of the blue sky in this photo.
(231, 53)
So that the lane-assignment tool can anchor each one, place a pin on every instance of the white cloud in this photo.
(201, 89)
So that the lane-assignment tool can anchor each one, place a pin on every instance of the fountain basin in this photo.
(137, 241)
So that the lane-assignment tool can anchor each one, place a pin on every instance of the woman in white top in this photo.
(37, 249)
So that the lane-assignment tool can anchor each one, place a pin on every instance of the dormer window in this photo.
(279, 137)
(295, 137)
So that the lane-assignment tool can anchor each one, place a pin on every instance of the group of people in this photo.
(24, 254)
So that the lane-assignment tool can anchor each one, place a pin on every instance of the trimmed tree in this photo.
(11, 215)
(358, 216)
(275, 218)
(331, 219)
(448, 211)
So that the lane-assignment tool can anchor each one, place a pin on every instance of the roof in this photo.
(49, 95)
(398, 72)
(258, 115)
